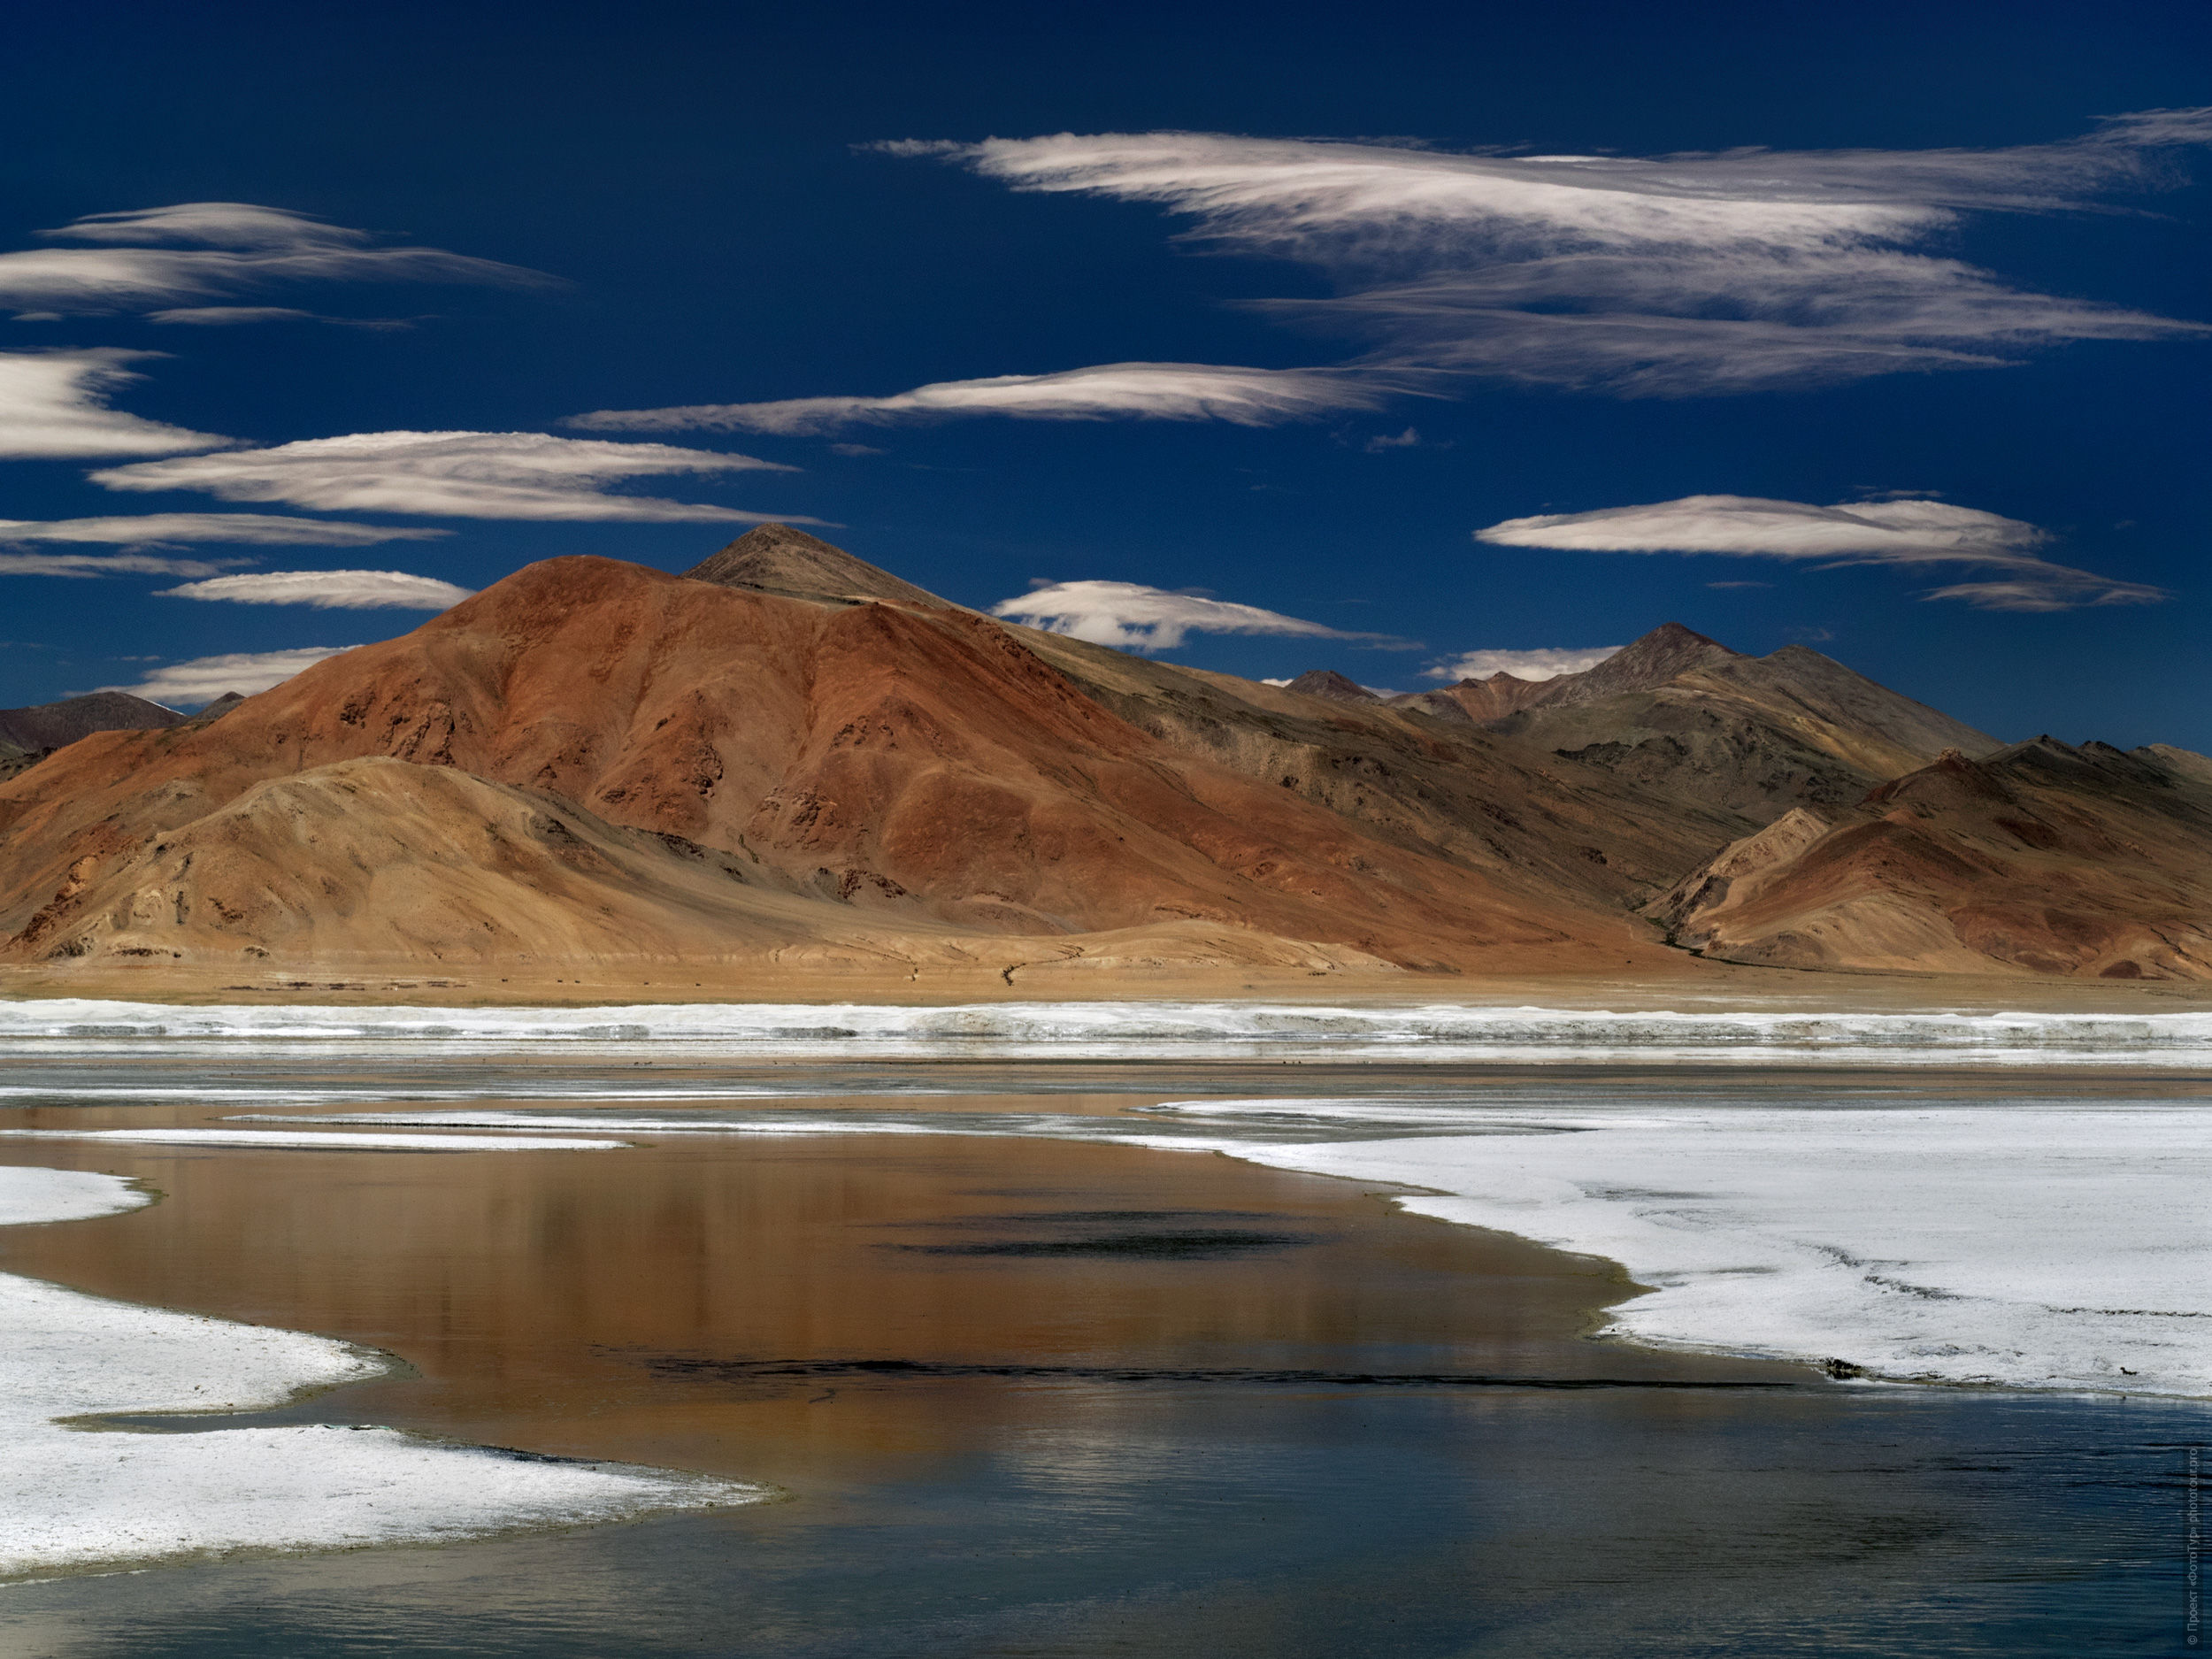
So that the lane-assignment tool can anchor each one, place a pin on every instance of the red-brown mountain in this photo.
(789, 762)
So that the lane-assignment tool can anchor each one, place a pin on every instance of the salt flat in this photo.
(2037, 1246)
(1772, 1032)
(316, 1140)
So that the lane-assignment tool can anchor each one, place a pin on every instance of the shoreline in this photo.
(1701, 983)
(119, 1456)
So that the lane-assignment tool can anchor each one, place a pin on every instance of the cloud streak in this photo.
(1541, 663)
(328, 590)
(1668, 275)
(54, 406)
(187, 685)
(86, 565)
(246, 529)
(1908, 532)
(231, 316)
(515, 475)
(1149, 391)
(171, 257)
(1132, 616)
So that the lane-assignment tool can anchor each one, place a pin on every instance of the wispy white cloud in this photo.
(1151, 391)
(1725, 272)
(454, 474)
(1383, 443)
(243, 529)
(1900, 532)
(54, 404)
(167, 258)
(187, 685)
(2051, 588)
(86, 565)
(1541, 663)
(230, 315)
(1132, 616)
(328, 590)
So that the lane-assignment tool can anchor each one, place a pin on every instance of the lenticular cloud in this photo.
(187, 685)
(1132, 616)
(54, 404)
(1157, 391)
(1541, 663)
(1669, 275)
(170, 257)
(454, 474)
(1908, 532)
(328, 590)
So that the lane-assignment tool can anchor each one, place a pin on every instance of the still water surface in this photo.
(1050, 1397)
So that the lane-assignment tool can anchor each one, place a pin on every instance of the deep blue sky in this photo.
(692, 176)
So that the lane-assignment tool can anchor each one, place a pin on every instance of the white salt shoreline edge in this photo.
(323, 1140)
(1403, 1033)
(74, 1499)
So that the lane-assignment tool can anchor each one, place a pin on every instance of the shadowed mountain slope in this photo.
(1756, 734)
(2040, 858)
(1665, 653)
(58, 724)
(1327, 682)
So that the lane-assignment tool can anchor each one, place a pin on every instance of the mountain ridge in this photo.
(789, 765)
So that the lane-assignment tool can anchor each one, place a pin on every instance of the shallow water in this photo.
(1052, 1396)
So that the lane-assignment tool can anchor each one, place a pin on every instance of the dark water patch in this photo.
(1203, 1244)
(1087, 1218)
(816, 1370)
(1149, 1234)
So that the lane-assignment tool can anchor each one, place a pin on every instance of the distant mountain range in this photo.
(789, 760)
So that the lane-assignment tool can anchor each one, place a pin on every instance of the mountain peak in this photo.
(1327, 682)
(1667, 651)
(57, 725)
(774, 559)
(1496, 697)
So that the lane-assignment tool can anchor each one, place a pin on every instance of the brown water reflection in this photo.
(564, 1302)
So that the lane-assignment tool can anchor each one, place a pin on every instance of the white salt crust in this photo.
(72, 1498)
(1406, 1033)
(319, 1140)
(2042, 1246)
